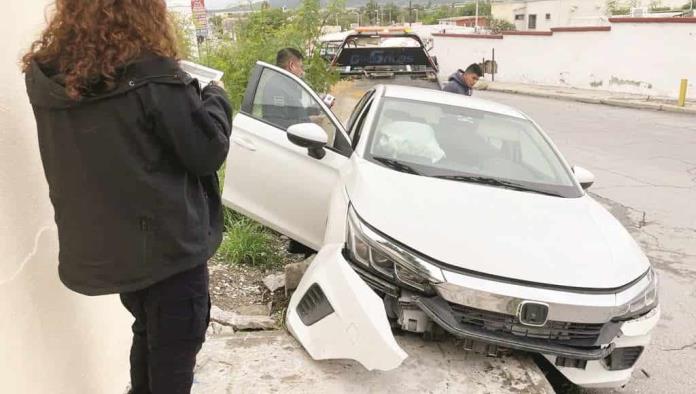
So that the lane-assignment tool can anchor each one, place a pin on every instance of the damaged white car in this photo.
(435, 212)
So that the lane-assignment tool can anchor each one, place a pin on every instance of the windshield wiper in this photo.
(495, 182)
(396, 165)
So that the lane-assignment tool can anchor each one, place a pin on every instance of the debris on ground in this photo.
(219, 330)
(241, 322)
(294, 272)
(274, 282)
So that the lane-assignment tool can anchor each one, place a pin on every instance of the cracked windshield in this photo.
(455, 143)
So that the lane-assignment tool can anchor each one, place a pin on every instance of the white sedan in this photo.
(439, 213)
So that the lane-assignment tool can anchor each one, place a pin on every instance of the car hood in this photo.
(571, 242)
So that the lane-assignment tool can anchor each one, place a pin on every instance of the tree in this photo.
(184, 33)
(216, 24)
(500, 25)
(391, 13)
(264, 33)
(372, 12)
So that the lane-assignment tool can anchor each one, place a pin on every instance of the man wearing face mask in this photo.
(292, 60)
(282, 103)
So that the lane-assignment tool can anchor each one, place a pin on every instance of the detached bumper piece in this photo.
(442, 314)
(334, 314)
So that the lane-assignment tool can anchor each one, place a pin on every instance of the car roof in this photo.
(446, 98)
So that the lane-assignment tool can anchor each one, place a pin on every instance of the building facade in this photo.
(542, 15)
(465, 21)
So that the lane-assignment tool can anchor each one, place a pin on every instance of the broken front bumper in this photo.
(335, 313)
(442, 313)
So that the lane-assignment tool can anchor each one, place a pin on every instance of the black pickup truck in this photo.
(392, 58)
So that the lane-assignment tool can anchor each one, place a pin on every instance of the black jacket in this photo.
(132, 174)
(455, 84)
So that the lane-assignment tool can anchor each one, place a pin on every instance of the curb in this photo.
(592, 100)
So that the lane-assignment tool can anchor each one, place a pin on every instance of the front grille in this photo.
(562, 333)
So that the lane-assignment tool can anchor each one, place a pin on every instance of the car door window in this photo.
(357, 111)
(357, 130)
(282, 102)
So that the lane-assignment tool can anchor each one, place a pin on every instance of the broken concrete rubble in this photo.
(241, 322)
(254, 310)
(218, 330)
(274, 282)
(294, 272)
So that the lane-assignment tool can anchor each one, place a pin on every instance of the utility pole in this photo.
(476, 17)
(410, 12)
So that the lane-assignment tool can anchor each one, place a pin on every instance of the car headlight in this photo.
(644, 302)
(377, 253)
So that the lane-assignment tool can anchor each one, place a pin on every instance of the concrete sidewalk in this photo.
(590, 96)
(272, 361)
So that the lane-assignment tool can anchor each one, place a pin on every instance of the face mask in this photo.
(299, 70)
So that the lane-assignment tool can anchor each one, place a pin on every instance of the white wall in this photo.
(645, 58)
(51, 340)
(567, 12)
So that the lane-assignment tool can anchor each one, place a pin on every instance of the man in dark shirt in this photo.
(463, 82)
(282, 100)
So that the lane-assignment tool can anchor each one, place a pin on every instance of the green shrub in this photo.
(247, 242)
(500, 25)
(260, 37)
(184, 32)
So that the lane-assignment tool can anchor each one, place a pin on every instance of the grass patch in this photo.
(247, 242)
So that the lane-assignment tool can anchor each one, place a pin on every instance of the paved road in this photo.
(645, 165)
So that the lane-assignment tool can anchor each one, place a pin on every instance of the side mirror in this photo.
(310, 136)
(584, 177)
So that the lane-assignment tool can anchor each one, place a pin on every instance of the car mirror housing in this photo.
(310, 136)
(585, 178)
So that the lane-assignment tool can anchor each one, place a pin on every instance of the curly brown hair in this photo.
(87, 41)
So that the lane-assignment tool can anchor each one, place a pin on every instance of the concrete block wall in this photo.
(645, 56)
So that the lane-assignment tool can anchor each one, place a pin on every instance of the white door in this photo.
(267, 177)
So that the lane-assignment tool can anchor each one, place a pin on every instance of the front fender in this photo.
(335, 315)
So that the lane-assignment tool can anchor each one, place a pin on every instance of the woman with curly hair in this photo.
(130, 146)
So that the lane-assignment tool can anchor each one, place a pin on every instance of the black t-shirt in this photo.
(282, 102)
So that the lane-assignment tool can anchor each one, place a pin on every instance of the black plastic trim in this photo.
(250, 92)
(623, 358)
(314, 306)
(439, 311)
(375, 282)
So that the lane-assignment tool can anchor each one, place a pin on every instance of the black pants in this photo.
(171, 318)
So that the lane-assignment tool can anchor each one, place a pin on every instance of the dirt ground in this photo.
(240, 288)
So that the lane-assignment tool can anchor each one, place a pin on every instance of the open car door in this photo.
(269, 178)
(333, 313)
